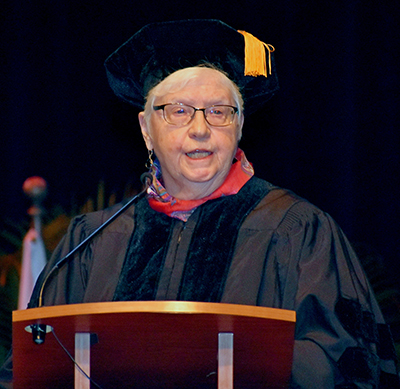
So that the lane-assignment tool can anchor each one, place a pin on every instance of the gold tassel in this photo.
(255, 63)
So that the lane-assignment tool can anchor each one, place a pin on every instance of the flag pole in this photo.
(33, 250)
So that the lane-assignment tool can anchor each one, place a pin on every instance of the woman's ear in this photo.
(240, 126)
(145, 131)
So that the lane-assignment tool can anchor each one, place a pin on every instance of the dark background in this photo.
(331, 134)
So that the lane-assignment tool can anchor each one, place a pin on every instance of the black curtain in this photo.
(331, 134)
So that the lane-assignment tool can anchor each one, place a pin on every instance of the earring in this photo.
(149, 162)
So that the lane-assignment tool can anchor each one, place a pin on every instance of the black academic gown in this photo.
(264, 246)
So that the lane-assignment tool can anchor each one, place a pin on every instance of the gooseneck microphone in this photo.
(146, 179)
(39, 330)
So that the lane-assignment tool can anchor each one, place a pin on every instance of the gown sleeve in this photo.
(341, 339)
(91, 274)
(66, 285)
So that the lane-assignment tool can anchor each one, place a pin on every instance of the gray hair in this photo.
(177, 80)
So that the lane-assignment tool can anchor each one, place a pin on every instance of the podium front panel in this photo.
(150, 345)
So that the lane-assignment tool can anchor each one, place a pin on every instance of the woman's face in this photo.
(196, 158)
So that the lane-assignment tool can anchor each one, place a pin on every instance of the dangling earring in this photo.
(149, 162)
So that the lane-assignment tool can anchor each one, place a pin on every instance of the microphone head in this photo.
(146, 179)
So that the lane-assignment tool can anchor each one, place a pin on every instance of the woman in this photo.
(208, 229)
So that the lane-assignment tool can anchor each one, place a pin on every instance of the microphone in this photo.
(146, 179)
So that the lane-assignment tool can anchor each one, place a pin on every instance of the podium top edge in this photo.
(171, 307)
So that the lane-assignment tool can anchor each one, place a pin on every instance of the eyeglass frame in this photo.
(161, 107)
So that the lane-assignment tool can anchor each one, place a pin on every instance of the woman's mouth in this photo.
(198, 154)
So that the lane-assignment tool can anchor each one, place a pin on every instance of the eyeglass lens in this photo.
(179, 114)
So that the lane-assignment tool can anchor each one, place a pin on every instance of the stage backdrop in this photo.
(331, 134)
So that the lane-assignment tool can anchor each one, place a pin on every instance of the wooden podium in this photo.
(155, 344)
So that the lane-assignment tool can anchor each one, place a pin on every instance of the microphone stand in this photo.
(39, 330)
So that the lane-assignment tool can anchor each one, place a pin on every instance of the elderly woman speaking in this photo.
(207, 228)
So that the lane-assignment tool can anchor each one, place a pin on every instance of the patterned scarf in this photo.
(159, 199)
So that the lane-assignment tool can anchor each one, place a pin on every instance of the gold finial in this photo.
(254, 56)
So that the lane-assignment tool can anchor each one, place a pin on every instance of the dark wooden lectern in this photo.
(155, 344)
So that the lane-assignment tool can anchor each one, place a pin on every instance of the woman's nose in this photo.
(199, 128)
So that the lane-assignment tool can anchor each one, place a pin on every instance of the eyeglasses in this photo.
(180, 114)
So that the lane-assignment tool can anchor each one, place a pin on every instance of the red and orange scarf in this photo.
(159, 199)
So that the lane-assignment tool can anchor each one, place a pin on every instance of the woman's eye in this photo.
(216, 112)
(179, 111)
